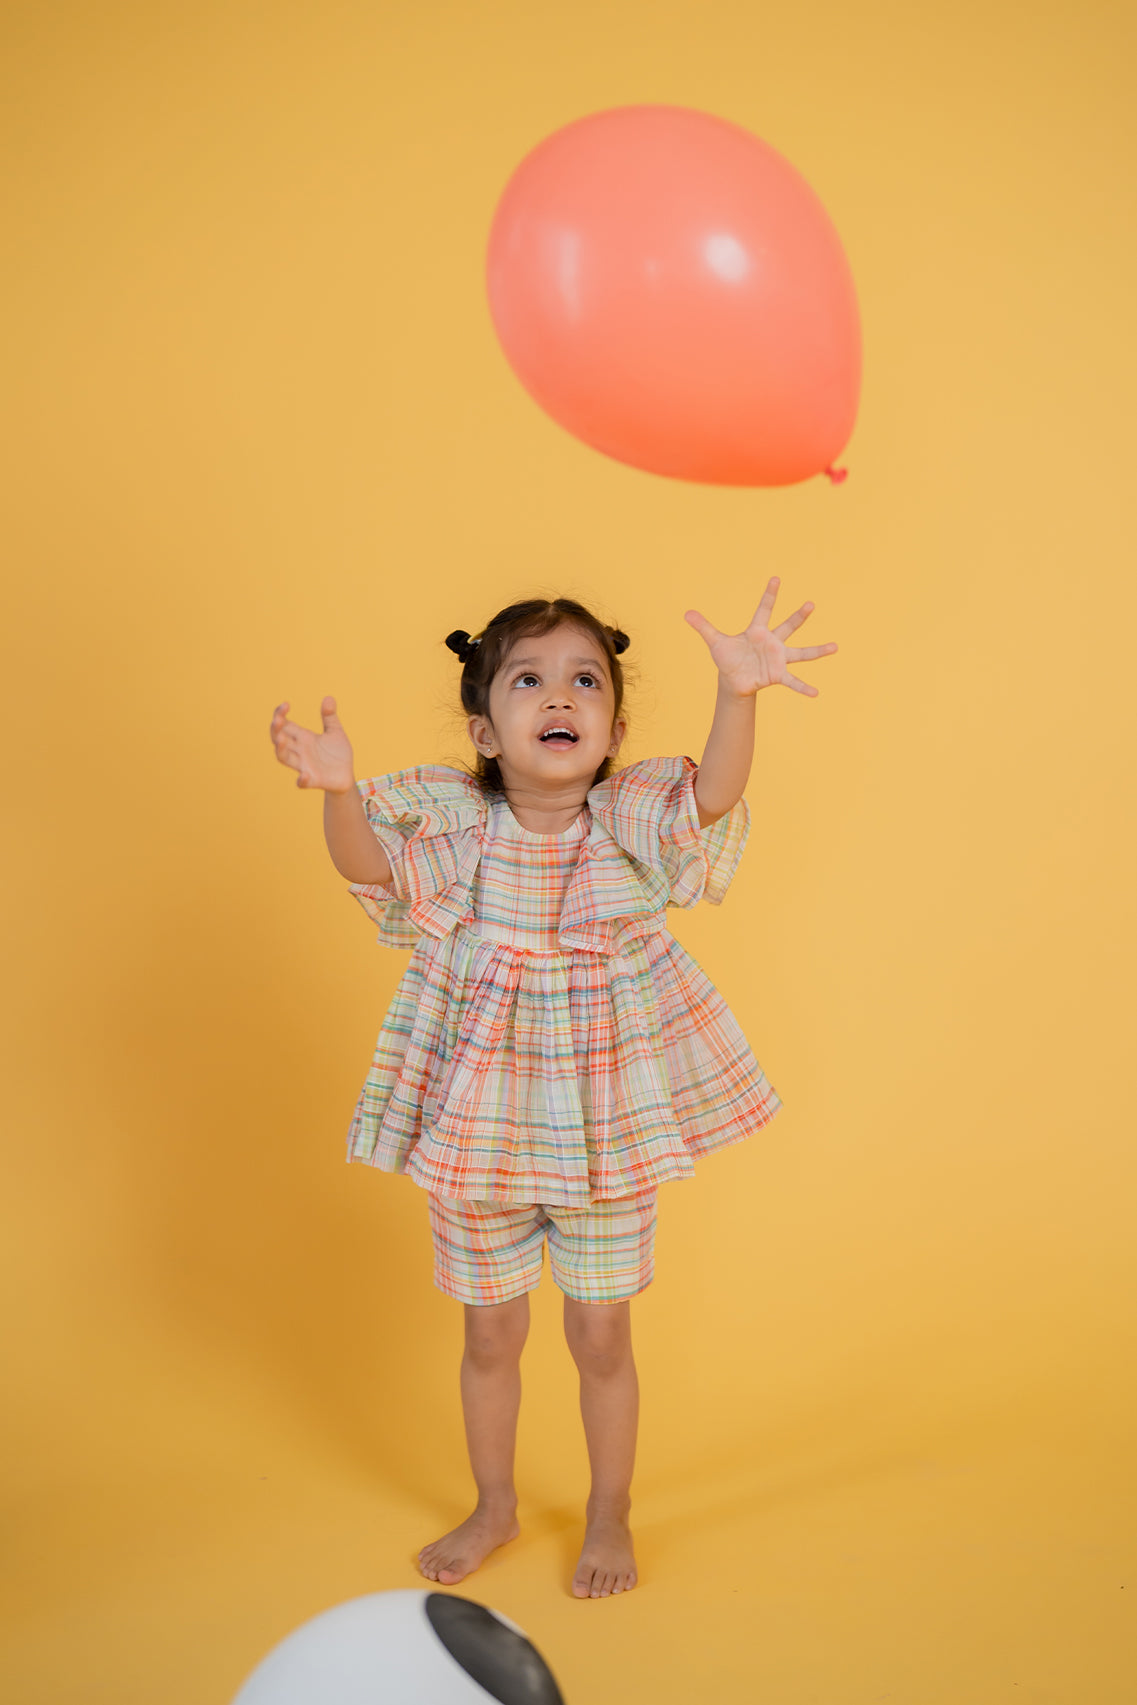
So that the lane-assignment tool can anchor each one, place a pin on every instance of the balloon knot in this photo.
(836, 475)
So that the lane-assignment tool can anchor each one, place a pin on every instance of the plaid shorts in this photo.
(490, 1252)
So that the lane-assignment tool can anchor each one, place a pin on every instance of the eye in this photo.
(529, 676)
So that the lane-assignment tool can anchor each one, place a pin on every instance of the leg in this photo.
(602, 1256)
(600, 1338)
(491, 1398)
(489, 1257)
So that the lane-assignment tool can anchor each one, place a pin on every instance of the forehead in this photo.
(538, 648)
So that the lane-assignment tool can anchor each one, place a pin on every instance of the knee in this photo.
(495, 1336)
(599, 1337)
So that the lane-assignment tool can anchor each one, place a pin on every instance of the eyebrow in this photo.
(516, 662)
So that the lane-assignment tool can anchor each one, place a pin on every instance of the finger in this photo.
(328, 711)
(701, 625)
(806, 653)
(789, 680)
(288, 746)
(761, 616)
(794, 621)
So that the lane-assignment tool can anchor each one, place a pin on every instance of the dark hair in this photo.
(483, 655)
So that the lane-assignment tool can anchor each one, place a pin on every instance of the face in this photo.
(557, 679)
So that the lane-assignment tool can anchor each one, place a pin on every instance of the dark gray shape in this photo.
(507, 1665)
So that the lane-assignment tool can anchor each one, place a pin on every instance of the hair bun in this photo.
(461, 644)
(620, 641)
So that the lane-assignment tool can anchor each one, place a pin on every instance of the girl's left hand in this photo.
(758, 658)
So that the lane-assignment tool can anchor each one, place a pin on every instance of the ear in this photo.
(619, 729)
(481, 735)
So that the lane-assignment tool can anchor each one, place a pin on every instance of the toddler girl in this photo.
(552, 1054)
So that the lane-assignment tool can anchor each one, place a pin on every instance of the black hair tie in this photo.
(460, 643)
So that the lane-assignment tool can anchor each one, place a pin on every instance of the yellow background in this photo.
(262, 445)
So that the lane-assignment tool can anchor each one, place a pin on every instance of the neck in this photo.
(547, 813)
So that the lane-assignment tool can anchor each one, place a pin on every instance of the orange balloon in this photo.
(668, 288)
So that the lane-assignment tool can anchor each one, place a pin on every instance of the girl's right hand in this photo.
(324, 760)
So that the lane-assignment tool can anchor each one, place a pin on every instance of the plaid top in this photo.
(550, 1041)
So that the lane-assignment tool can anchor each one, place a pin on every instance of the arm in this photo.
(728, 756)
(355, 851)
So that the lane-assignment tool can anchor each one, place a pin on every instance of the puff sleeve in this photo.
(430, 822)
(649, 810)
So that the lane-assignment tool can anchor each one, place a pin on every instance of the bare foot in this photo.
(459, 1553)
(607, 1564)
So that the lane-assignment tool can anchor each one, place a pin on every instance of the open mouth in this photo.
(556, 738)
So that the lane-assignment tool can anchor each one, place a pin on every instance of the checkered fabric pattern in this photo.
(487, 1253)
(550, 1041)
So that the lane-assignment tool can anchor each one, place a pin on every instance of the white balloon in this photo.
(378, 1650)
